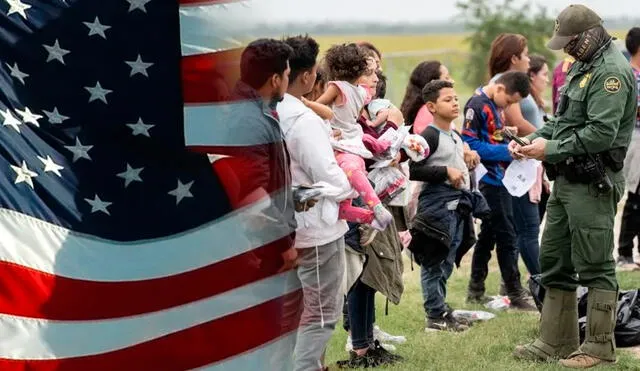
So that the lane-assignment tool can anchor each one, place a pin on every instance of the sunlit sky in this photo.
(393, 11)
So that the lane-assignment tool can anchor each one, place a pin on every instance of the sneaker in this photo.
(385, 353)
(348, 347)
(382, 218)
(388, 347)
(462, 320)
(524, 303)
(446, 323)
(364, 361)
(374, 357)
(382, 337)
(503, 290)
(367, 234)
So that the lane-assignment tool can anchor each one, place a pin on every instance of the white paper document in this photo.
(521, 176)
(480, 171)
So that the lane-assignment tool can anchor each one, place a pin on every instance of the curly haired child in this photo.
(349, 66)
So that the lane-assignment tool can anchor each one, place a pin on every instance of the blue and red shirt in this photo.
(482, 130)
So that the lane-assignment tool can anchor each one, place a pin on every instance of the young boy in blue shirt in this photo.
(484, 132)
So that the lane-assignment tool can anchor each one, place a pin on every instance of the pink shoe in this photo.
(382, 218)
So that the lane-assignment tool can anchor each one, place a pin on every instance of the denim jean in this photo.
(526, 216)
(497, 230)
(434, 274)
(345, 315)
(361, 314)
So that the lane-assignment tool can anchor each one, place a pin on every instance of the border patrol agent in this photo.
(583, 148)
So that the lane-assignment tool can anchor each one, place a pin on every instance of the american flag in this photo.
(120, 245)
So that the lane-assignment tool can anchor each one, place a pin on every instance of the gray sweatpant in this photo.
(321, 271)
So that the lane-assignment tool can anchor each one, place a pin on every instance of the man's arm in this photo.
(604, 112)
(309, 145)
(251, 162)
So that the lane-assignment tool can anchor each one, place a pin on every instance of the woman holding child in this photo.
(351, 83)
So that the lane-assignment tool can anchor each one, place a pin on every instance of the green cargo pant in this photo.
(577, 242)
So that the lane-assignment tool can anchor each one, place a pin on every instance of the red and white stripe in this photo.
(197, 300)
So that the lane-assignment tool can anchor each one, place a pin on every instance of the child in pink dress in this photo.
(349, 66)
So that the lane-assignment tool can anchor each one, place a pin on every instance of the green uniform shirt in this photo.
(600, 104)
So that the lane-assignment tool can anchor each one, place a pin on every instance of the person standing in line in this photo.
(539, 75)
(320, 234)
(444, 204)
(413, 106)
(596, 115)
(417, 115)
(630, 228)
(509, 52)
(483, 131)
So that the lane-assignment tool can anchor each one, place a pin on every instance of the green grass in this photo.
(486, 346)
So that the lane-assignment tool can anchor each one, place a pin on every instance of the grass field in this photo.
(486, 346)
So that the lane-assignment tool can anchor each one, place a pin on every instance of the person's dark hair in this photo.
(346, 62)
(369, 46)
(381, 87)
(305, 53)
(632, 41)
(431, 90)
(515, 82)
(421, 75)
(503, 47)
(262, 59)
(536, 63)
(321, 76)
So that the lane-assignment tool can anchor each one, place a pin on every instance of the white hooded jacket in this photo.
(313, 162)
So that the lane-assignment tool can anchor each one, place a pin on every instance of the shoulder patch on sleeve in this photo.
(469, 114)
(612, 84)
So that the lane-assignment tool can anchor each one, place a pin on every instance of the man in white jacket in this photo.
(320, 234)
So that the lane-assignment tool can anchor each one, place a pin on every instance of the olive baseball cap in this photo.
(572, 21)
